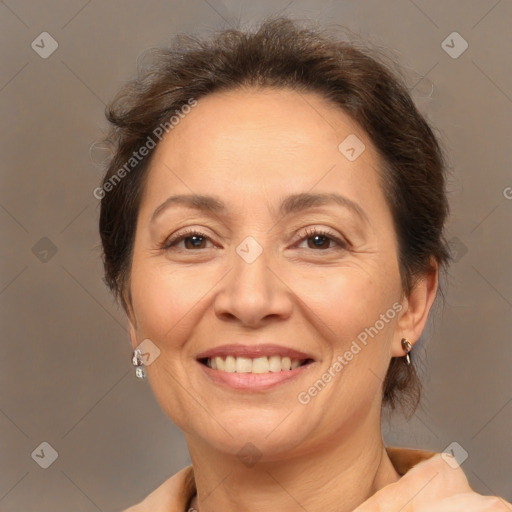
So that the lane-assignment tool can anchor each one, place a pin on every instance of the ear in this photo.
(133, 334)
(416, 307)
(132, 324)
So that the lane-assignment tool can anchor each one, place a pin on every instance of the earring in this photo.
(407, 347)
(138, 363)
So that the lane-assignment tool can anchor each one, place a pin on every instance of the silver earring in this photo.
(138, 363)
(407, 347)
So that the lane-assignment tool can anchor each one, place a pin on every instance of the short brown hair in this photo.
(280, 54)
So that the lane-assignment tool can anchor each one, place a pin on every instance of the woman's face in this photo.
(257, 267)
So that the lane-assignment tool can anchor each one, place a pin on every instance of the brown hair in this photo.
(281, 54)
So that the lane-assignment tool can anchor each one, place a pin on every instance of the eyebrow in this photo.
(294, 203)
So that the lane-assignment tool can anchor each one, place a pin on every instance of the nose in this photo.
(253, 293)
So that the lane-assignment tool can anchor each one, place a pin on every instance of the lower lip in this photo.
(253, 381)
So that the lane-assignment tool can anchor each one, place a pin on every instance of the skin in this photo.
(252, 148)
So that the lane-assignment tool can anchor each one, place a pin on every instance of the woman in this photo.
(272, 223)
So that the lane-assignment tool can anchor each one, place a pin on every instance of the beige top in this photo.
(174, 494)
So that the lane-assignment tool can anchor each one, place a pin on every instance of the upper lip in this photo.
(253, 351)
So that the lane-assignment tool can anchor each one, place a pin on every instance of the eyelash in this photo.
(168, 243)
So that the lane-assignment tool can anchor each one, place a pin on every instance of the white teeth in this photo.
(219, 362)
(243, 365)
(295, 364)
(263, 364)
(260, 365)
(274, 363)
(230, 364)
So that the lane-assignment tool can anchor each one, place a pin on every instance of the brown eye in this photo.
(320, 239)
(319, 242)
(192, 239)
(196, 242)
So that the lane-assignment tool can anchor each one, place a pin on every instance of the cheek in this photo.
(163, 299)
(350, 298)
(355, 310)
(168, 308)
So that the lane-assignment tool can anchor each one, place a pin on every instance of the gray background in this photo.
(66, 377)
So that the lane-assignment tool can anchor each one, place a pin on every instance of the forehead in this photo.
(278, 120)
(259, 141)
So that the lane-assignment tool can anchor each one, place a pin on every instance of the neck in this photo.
(337, 476)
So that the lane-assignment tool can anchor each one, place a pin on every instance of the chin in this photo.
(253, 438)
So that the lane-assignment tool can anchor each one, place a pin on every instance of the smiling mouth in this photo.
(265, 364)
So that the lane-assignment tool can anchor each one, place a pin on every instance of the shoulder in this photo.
(173, 494)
